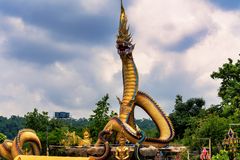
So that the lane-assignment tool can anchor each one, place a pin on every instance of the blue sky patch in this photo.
(187, 41)
(227, 4)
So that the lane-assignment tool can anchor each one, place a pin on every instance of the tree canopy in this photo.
(101, 116)
(37, 121)
(229, 91)
(182, 113)
(11, 126)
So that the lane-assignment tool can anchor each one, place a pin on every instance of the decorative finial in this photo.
(122, 5)
(123, 31)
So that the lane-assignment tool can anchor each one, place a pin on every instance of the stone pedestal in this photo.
(74, 151)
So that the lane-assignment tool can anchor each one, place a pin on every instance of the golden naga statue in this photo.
(70, 139)
(11, 149)
(122, 152)
(87, 140)
(132, 97)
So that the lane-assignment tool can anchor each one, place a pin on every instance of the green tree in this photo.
(2, 137)
(215, 109)
(183, 113)
(11, 126)
(213, 127)
(210, 126)
(56, 123)
(56, 135)
(229, 91)
(113, 114)
(100, 117)
(223, 155)
(37, 121)
(148, 126)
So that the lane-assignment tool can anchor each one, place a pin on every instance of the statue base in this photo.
(76, 151)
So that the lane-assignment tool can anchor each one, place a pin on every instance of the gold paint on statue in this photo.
(27, 157)
(70, 139)
(123, 31)
(122, 152)
(86, 141)
(11, 149)
(133, 97)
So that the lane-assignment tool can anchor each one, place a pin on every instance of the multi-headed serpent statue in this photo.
(132, 97)
(10, 149)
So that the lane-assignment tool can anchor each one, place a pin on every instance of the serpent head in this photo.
(124, 38)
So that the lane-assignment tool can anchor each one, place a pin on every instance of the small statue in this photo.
(122, 152)
(86, 141)
(70, 139)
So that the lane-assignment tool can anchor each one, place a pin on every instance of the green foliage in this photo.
(113, 114)
(238, 156)
(56, 135)
(2, 137)
(213, 126)
(100, 117)
(236, 116)
(214, 121)
(11, 126)
(184, 155)
(229, 74)
(148, 127)
(183, 111)
(37, 121)
(214, 109)
(223, 155)
(195, 123)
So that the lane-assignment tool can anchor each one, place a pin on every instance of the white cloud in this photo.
(76, 85)
(93, 6)
(61, 86)
(16, 99)
(167, 22)
(105, 63)
(160, 24)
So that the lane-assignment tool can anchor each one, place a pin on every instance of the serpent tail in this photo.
(26, 136)
(5, 149)
(102, 135)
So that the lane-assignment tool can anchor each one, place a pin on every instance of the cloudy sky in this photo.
(60, 55)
